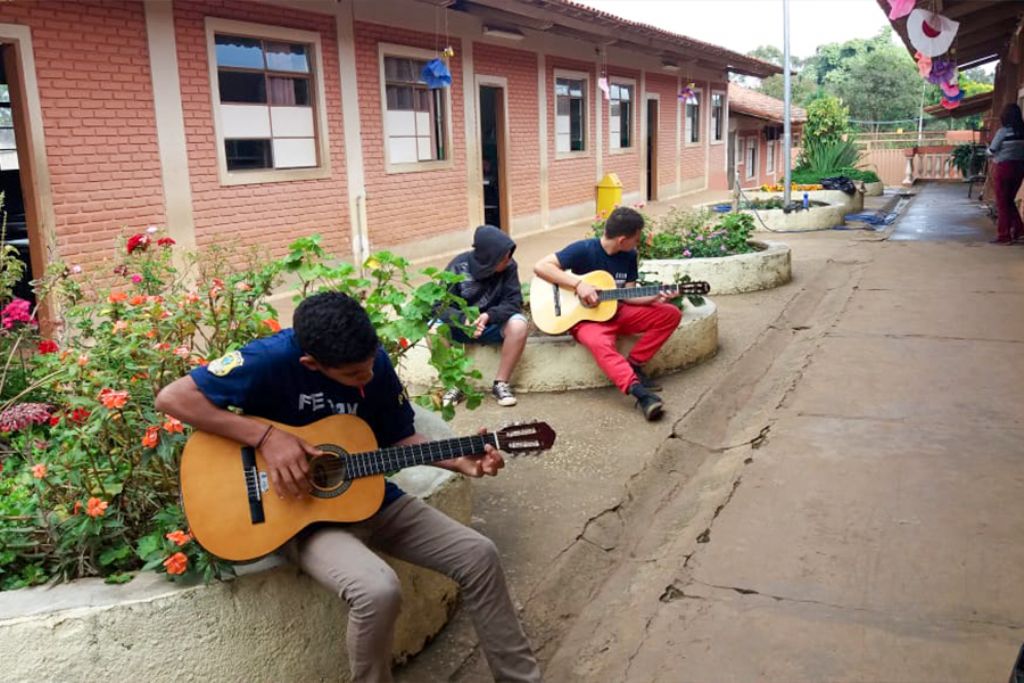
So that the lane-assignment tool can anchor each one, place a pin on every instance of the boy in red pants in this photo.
(651, 317)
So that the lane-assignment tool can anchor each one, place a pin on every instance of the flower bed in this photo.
(830, 211)
(769, 265)
(88, 467)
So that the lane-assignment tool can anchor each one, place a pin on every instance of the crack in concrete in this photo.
(705, 536)
(930, 337)
(640, 646)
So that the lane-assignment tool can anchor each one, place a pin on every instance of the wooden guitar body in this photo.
(218, 486)
(556, 309)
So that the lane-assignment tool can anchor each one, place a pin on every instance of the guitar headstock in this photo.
(697, 287)
(525, 437)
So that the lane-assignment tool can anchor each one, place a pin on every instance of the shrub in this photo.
(825, 158)
(812, 177)
(692, 234)
(88, 467)
(828, 120)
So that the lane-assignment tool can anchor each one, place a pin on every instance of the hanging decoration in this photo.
(950, 104)
(943, 71)
(435, 74)
(931, 34)
(924, 64)
(689, 90)
(602, 84)
(900, 8)
(950, 89)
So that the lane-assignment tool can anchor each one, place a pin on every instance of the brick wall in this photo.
(405, 207)
(625, 163)
(571, 181)
(717, 171)
(523, 162)
(693, 157)
(266, 214)
(92, 68)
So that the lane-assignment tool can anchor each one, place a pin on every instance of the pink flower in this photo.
(76, 269)
(136, 278)
(687, 254)
(151, 230)
(18, 311)
(22, 415)
(39, 471)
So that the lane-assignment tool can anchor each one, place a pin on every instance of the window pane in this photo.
(289, 91)
(400, 69)
(561, 87)
(440, 121)
(6, 120)
(627, 92)
(613, 92)
(237, 51)
(248, 154)
(237, 86)
(287, 57)
(7, 139)
(5, 93)
(576, 124)
(626, 130)
(400, 98)
(576, 88)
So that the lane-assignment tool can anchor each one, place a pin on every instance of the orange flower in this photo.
(173, 425)
(192, 297)
(182, 352)
(274, 326)
(120, 326)
(178, 537)
(39, 471)
(162, 346)
(152, 437)
(116, 297)
(113, 399)
(243, 287)
(137, 300)
(96, 507)
(176, 563)
(77, 508)
(83, 360)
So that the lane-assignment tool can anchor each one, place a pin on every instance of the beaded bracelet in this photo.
(263, 438)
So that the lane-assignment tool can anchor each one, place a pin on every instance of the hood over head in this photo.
(489, 246)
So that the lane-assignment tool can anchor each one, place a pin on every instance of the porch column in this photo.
(355, 176)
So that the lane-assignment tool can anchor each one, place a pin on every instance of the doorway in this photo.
(730, 155)
(11, 176)
(652, 149)
(492, 153)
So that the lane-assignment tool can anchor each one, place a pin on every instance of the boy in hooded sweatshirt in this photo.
(491, 284)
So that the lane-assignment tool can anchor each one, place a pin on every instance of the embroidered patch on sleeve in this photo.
(225, 364)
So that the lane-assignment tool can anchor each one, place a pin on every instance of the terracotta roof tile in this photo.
(752, 103)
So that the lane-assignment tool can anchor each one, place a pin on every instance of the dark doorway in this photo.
(492, 152)
(730, 155)
(16, 233)
(652, 150)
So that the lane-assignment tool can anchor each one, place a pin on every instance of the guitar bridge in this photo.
(255, 485)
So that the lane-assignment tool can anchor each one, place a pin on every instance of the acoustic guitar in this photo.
(555, 309)
(233, 513)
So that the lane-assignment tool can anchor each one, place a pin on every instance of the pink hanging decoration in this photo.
(931, 34)
(950, 104)
(687, 92)
(950, 89)
(602, 84)
(900, 8)
(924, 64)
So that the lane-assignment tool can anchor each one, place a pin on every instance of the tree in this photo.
(827, 120)
(803, 89)
(878, 84)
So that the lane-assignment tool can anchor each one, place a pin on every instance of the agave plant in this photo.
(825, 157)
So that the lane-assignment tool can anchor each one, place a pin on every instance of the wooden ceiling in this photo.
(986, 27)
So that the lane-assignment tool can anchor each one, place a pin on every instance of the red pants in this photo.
(1007, 177)
(655, 323)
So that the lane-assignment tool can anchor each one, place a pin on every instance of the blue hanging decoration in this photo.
(435, 74)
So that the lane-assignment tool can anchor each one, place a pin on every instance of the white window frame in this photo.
(724, 119)
(629, 82)
(700, 120)
(751, 163)
(587, 112)
(394, 50)
(770, 158)
(215, 25)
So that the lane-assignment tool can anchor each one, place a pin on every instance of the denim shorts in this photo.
(491, 334)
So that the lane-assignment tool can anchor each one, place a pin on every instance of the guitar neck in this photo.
(397, 457)
(634, 292)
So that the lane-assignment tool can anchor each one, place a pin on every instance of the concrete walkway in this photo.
(839, 496)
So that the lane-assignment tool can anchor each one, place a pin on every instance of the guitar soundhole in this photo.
(329, 472)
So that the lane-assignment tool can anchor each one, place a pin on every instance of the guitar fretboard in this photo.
(634, 292)
(397, 457)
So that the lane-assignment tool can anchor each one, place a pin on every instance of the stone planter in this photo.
(815, 218)
(769, 266)
(559, 363)
(874, 189)
(269, 624)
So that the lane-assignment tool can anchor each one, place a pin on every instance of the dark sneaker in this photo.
(503, 393)
(452, 397)
(643, 378)
(649, 403)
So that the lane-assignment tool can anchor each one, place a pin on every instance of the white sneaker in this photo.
(503, 393)
(452, 397)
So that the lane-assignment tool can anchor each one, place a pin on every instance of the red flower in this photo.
(54, 420)
(166, 242)
(96, 507)
(173, 425)
(39, 471)
(137, 300)
(178, 537)
(79, 415)
(47, 346)
(403, 342)
(176, 563)
(274, 326)
(77, 508)
(116, 297)
(152, 437)
(113, 399)
(137, 242)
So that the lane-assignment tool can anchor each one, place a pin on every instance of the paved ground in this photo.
(838, 495)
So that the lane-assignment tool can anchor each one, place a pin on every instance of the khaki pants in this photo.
(337, 557)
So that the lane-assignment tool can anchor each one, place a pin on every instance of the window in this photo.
(770, 158)
(751, 157)
(415, 118)
(265, 93)
(738, 152)
(620, 115)
(693, 118)
(8, 150)
(570, 115)
(717, 117)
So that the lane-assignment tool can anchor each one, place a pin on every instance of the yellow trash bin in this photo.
(609, 194)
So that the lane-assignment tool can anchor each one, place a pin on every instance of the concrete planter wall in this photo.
(769, 266)
(270, 624)
(815, 218)
(559, 363)
(874, 189)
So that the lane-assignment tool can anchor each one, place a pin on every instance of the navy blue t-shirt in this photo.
(587, 255)
(265, 379)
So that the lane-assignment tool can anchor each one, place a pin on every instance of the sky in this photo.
(742, 25)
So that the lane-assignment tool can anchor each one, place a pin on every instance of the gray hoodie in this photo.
(497, 294)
